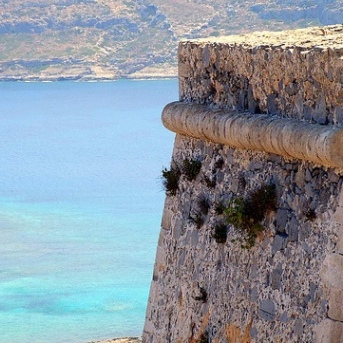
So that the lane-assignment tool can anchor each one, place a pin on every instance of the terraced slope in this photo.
(106, 39)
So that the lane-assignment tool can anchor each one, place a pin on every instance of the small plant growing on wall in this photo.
(262, 201)
(246, 214)
(171, 180)
(191, 169)
(220, 233)
(242, 181)
(204, 205)
(198, 219)
(204, 338)
(202, 296)
(219, 164)
(219, 208)
(210, 182)
(310, 215)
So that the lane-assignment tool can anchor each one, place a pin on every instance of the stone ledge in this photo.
(290, 138)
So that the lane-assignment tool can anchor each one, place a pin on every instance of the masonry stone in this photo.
(279, 243)
(331, 271)
(276, 277)
(338, 115)
(329, 331)
(339, 246)
(336, 304)
(293, 230)
(267, 310)
(256, 110)
(298, 327)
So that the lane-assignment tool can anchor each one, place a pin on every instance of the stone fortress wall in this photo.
(255, 110)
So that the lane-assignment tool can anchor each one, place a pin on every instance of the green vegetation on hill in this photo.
(106, 39)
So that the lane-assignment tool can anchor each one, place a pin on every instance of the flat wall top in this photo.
(314, 37)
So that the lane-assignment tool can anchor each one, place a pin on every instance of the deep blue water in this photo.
(80, 206)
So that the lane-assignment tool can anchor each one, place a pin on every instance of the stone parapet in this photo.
(296, 74)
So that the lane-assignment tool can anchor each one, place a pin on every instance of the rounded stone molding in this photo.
(291, 138)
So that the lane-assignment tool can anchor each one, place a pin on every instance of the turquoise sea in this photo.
(80, 206)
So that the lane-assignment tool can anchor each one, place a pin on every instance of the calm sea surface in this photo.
(80, 207)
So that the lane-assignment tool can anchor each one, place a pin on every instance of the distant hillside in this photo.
(104, 39)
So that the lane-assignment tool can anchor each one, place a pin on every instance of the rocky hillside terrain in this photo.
(108, 39)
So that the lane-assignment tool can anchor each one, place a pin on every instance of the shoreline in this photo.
(66, 75)
(148, 78)
(119, 340)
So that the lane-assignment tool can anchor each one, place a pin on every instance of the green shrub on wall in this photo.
(246, 214)
(191, 169)
(219, 208)
(171, 180)
(204, 205)
(220, 233)
(198, 219)
(210, 181)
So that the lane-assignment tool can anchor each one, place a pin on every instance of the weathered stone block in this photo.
(293, 230)
(336, 304)
(338, 215)
(279, 243)
(329, 331)
(177, 227)
(276, 277)
(333, 175)
(184, 70)
(254, 295)
(166, 218)
(313, 291)
(284, 317)
(319, 114)
(298, 327)
(338, 115)
(267, 310)
(160, 256)
(194, 238)
(332, 271)
(339, 247)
